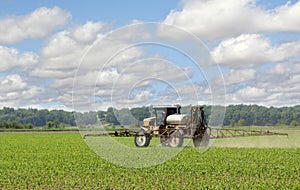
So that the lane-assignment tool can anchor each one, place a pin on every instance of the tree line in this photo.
(261, 116)
(241, 115)
(9, 117)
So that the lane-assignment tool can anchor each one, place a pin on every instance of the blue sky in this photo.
(116, 11)
(252, 56)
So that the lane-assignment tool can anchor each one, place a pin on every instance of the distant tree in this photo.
(91, 117)
(124, 116)
(280, 123)
(56, 124)
(252, 115)
(53, 124)
(50, 124)
(42, 117)
(7, 110)
(28, 126)
(140, 113)
(214, 119)
(4, 125)
(294, 123)
(232, 123)
(110, 116)
(241, 122)
(101, 115)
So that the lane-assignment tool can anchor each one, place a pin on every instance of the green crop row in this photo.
(61, 160)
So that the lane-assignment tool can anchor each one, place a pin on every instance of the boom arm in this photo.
(230, 133)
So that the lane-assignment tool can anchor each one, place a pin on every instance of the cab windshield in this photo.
(162, 114)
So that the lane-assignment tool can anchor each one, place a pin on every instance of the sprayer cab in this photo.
(162, 112)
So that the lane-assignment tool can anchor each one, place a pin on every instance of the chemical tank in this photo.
(177, 119)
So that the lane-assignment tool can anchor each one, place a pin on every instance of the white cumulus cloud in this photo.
(15, 91)
(11, 58)
(37, 24)
(63, 52)
(89, 32)
(216, 19)
(237, 76)
(249, 50)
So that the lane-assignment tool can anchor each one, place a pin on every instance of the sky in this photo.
(96, 54)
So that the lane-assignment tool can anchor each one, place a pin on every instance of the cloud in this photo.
(72, 40)
(118, 83)
(41, 72)
(275, 86)
(60, 44)
(216, 19)
(251, 94)
(89, 32)
(11, 58)
(16, 92)
(115, 65)
(245, 50)
(257, 69)
(138, 98)
(283, 77)
(38, 24)
(263, 96)
(237, 76)
(249, 50)
(74, 53)
(286, 68)
(12, 83)
(63, 53)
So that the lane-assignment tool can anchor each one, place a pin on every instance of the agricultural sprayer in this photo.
(172, 127)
